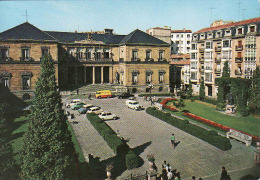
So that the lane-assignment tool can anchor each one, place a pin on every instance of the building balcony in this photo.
(208, 68)
(217, 71)
(6, 59)
(149, 60)
(239, 48)
(162, 60)
(218, 49)
(135, 60)
(218, 60)
(121, 60)
(201, 50)
(201, 59)
(26, 59)
(237, 72)
(238, 59)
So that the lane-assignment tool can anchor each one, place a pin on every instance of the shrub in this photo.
(213, 133)
(192, 99)
(132, 160)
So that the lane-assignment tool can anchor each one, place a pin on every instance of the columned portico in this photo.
(102, 74)
(93, 76)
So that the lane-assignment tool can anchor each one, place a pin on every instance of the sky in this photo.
(124, 16)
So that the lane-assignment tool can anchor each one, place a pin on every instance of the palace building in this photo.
(235, 42)
(130, 61)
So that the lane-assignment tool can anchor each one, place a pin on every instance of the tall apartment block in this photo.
(237, 42)
(181, 41)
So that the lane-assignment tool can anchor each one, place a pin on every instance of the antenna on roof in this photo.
(243, 13)
(26, 15)
(239, 10)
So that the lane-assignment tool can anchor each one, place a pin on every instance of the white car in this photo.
(96, 110)
(72, 103)
(107, 116)
(133, 105)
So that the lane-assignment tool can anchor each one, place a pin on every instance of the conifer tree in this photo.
(226, 70)
(48, 149)
(6, 155)
(202, 91)
(254, 100)
(189, 92)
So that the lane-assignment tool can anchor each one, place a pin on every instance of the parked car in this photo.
(96, 110)
(85, 108)
(125, 95)
(107, 116)
(77, 105)
(158, 106)
(133, 105)
(72, 103)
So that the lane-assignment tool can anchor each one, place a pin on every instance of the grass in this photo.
(248, 124)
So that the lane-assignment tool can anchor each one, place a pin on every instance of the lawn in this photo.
(248, 124)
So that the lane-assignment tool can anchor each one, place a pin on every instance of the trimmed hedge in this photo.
(156, 94)
(115, 143)
(201, 133)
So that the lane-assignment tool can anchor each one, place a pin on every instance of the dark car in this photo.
(125, 95)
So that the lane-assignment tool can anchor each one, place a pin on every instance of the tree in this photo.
(226, 70)
(48, 149)
(6, 155)
(254, 100)
(189, 91)
(202, 90)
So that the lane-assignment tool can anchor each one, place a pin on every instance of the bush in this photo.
(132, 160)
(209, 136)
(185, 111)
(192, 99)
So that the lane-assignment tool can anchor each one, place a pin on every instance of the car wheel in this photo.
(114, 118)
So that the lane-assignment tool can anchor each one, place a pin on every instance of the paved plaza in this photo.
(147, 134)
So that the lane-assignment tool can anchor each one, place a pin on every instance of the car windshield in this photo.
(108, 114)
(134, 102)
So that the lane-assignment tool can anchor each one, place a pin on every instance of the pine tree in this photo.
(6, 155)
(48, 149)
(189, 91)
(226, 70)
(202, 91)
(254, 100)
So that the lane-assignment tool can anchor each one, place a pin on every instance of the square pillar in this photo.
(102, 74)
(85, 79)
(93, 78)
(110, 75)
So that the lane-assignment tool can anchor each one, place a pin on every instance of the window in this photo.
(194, 75)
(210, 35)
(188, 36)
(193, 55)
(226, 43)
(161, 77)
(98, 55)
(193, 65)
(4, 54)
(182, 36)
(80, 55)
(148, 54)
(134, 78)
(239, 31)
(208, 65)
(208, 55)
(45, 51)
(148, 78)
(25, 54)
(88, 54)
(208, 77)
(26, 82)
(5, 81)
(177, 42)
(106, 54)
(193, 46)
(161, 54)
(188, 42)
(134, 54)
(226, 54)
(177, 36)
(208, 45)
(252, 28)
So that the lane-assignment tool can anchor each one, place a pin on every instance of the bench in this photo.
(239, 136)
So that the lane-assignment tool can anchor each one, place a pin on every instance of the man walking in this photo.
(173, 140)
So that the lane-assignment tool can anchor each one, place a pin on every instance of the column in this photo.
(93, 78)
(102, 74)
(110, 74)
(85, 80)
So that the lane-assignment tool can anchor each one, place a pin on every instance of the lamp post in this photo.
(150, 86)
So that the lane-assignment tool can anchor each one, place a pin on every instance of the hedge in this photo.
(156, 94)
(119, 147)
(199, 132)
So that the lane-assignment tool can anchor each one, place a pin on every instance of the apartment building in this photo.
(131, 61)
(162, 33)
(181, 41)
(233, 42)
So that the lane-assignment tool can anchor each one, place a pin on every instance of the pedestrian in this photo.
(173, 140)
(164, 165)
(224, 175)
(77, 91)
(164, 175)
(145, 98)
(193, 178)
(168, 168)
(169, 175)
(89, 96)
(175, 177)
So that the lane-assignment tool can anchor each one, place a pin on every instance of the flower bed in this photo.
(164, 102)
(214, 124)
(208, 136)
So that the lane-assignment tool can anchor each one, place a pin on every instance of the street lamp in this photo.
(150, 86)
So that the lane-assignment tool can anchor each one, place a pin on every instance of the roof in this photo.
(248, 21)
(181, 31)
(164, 28)
(26, 31)
(181, 56)
(140, 37)
(181, 62)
